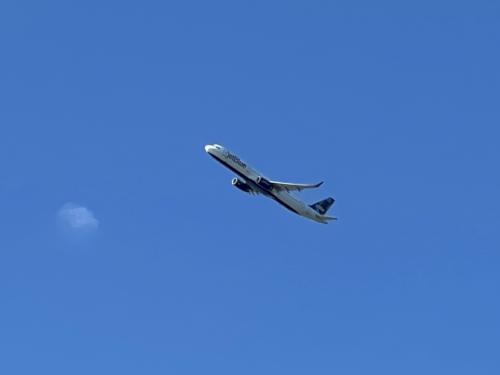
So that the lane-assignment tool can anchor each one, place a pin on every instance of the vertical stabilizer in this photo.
(323, 206)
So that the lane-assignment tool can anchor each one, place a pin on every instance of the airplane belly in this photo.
(288, 200)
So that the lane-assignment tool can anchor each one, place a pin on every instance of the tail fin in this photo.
(323, 206)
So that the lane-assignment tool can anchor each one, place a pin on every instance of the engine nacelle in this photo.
(243, 186)
(266, 184)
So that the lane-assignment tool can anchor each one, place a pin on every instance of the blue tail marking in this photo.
(323, 206)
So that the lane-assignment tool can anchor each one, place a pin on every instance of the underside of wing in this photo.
(294, 187)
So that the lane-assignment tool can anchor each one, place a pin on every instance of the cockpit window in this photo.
(218, 147)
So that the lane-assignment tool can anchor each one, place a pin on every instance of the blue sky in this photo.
(125, 249)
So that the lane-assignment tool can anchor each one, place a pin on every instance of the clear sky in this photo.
(124, 249)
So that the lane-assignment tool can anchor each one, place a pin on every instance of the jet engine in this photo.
(266, 184)
(243, 186)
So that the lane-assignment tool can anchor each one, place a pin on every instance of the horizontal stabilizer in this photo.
(328, 218)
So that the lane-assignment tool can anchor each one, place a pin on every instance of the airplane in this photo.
(251, 181)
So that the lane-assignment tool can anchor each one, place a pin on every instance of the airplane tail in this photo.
(323, 206)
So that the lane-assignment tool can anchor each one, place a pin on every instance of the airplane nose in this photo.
(208, 148)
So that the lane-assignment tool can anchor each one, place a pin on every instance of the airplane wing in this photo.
(294, 187)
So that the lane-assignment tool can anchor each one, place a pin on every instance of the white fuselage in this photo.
(251, 176)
